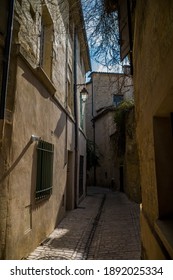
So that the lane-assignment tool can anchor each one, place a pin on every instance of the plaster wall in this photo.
(36, 105)
(28, 224)
(153, 87)
(131, 160)
(150, 241)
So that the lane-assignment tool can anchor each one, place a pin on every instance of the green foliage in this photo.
(120, 118)
(121, 112)
(93, 154)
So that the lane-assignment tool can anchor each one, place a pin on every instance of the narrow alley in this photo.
(104, 226)
(86, 99)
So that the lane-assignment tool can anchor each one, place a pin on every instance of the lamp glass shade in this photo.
(84, 94)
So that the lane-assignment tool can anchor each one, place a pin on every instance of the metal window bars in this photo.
(45, 152)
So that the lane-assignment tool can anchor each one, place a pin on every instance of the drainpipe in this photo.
(6, 59)
(94, 135)
(66, 101)
(76, 118)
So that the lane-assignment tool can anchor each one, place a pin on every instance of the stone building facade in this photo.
(106, 92)
(42, 145)
(131, 169)
(146, 36)
(152, 58)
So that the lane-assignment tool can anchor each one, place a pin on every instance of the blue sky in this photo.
(100, 68)
(91, 9)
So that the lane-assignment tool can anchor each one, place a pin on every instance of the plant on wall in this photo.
(119, 118)
(93, 154)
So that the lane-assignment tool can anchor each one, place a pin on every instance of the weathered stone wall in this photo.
(105, 85)
(37, 104)
(107, 173)
(100, 108)
(153, 68)
(131, 160)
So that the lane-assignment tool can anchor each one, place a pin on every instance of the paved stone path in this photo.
(117, 234)
(104, 226)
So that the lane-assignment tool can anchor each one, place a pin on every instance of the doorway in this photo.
(81, 176)
(70, 184)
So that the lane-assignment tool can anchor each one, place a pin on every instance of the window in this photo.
(163, 144)
(117, 99)
(45, 153)
(46, 43)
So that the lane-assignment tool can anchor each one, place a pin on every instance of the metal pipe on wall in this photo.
(76, 118)
(94, 134)
(6, 59)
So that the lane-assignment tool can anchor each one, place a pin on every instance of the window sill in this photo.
(37, 71)
(42, 76)
(164, 229)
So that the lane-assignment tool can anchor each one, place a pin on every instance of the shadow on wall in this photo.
(60, 125)
(20, 156)
(30, 78)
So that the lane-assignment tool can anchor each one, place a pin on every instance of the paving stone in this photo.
(116, 235)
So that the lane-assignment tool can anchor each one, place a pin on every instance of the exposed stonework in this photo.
(36, 104)
(106, 91)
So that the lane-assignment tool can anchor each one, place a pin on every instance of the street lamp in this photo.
(84, 94)
(83, 98)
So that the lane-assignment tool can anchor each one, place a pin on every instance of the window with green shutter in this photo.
(45, 152)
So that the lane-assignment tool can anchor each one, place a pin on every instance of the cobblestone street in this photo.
(104, 226)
